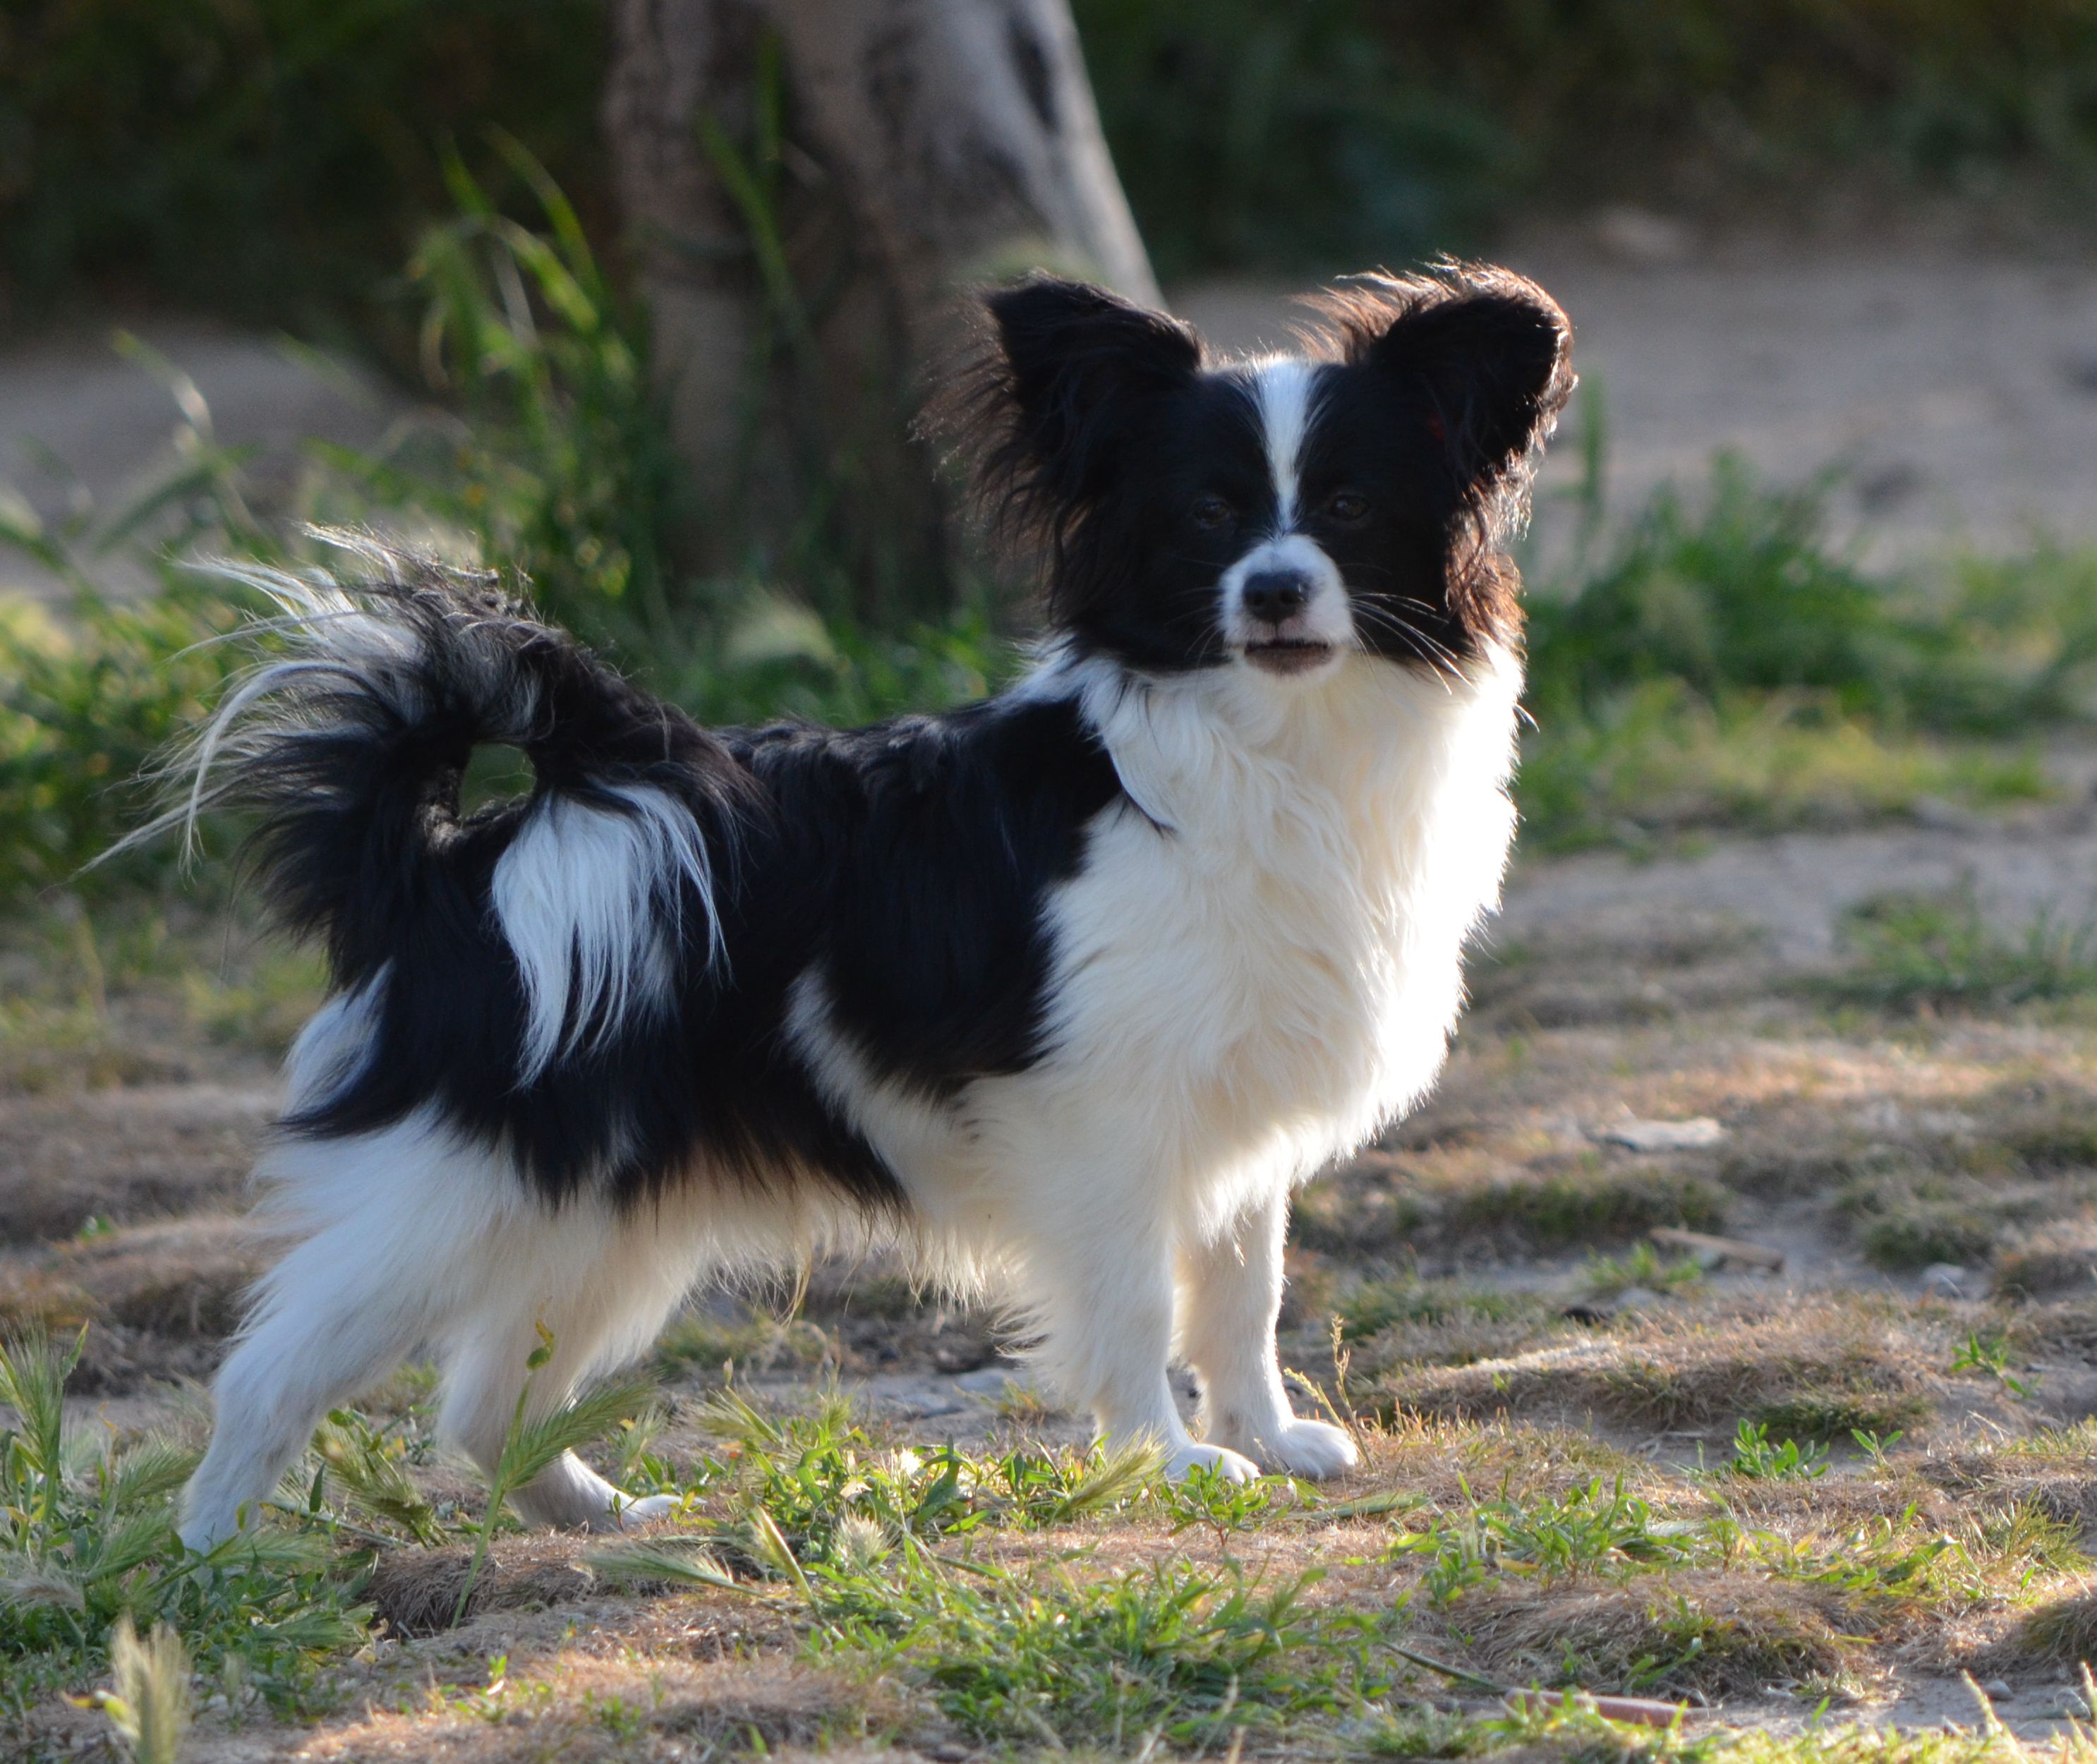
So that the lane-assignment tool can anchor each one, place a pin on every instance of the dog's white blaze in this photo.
(579, 896)
(1282, 388)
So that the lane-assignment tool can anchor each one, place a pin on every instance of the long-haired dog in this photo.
(1066, 990)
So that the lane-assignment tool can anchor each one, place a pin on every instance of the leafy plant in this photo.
(1594, 1527)
(1990, 1355)
(1757, 1456)
(87, 1538)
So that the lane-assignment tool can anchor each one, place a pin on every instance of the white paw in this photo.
(1231, 1466)
(1312, 1449)
(628, 1514)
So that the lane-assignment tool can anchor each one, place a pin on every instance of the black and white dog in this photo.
(1065, 991)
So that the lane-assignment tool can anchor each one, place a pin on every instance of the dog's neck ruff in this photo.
(1271, 945)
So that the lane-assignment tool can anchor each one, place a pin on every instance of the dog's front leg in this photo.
(1102, 1290)
(1231, 1296)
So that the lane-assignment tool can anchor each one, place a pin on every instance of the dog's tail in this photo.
(586, 902)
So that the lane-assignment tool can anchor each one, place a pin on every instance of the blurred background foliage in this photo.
(421, 181)
(273, 160)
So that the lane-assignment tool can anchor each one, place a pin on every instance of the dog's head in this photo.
(1278, 513)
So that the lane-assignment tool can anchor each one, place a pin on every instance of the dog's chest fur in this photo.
(1259, 963)
(1269, 954)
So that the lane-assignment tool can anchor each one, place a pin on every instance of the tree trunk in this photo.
(808, 183)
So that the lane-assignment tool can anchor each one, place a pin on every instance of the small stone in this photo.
(990, 1381)
(1663, 1136)
(1636, 1300)
(1945, 1280)
(1639, 236)
(1999, 1688)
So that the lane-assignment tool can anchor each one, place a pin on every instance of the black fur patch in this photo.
(905, 865)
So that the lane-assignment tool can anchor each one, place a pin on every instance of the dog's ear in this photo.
(1046, 409)
(1481, 359)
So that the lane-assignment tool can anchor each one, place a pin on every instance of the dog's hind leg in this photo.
(602, 1287)
(383, 1219)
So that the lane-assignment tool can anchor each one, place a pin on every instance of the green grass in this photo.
(1935, 951)
(1715, 660)
(1590, 1202)
(87, 1538)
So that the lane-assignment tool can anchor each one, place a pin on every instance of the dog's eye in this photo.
(1346, 506)
(1212, 511)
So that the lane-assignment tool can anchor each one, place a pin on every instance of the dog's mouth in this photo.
(1288, 655)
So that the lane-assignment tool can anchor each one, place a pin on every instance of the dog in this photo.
(1065, 991)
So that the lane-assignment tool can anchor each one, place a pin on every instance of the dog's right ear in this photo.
(1046, 407)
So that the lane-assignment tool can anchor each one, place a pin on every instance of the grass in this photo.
(1592, 1202)
(86, 1534)
(1717, 662)
(1937, 952)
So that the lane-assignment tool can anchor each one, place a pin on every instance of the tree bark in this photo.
(922, 146)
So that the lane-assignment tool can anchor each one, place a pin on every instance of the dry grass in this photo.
(1714, 1634)
(1814, 1369)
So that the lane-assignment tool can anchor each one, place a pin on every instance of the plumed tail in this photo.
(349, 743)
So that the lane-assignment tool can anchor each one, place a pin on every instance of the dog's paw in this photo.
(630, 1515)
(1230, 1466)
(1311, 1449)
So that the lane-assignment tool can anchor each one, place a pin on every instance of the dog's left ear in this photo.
(1482, 360)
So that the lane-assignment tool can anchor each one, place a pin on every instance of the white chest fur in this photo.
(1251, 974)
(1263, 966)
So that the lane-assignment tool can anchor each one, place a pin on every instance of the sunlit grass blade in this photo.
(689, 1560)
(146, 1471)
(149, 1705)
(374, 1481)
(532, 1447)
(1120, 1474)
(33, 1369)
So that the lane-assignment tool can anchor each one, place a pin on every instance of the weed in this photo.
(1755, 1454)
(87, 1535)
(1991, 1353)
(1606, 1276)
(149, 1705)
(1172, 1651)
(1593, 1528)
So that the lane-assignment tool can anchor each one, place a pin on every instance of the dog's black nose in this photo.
(1274, 595)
